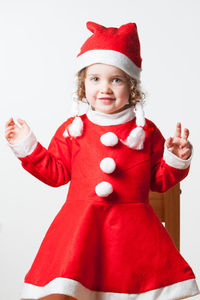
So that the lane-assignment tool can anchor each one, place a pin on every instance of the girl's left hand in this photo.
(180, 145)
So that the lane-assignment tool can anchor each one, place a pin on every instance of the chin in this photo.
(107, 111)
(118, 109)
(110, 110)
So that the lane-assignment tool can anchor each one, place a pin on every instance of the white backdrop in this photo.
(39, 39)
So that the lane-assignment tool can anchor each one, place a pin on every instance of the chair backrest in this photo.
(167, 207)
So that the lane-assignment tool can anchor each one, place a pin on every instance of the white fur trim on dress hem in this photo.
(70, 287)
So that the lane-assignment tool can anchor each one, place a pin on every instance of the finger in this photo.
(169, 142)
(9, 135)
(9, 129)
(21, 122)
(178, 130)
(186, 154)
(10, 122)
(185, 144)
(185, 134)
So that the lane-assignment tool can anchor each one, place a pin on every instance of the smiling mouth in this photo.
(106, 98)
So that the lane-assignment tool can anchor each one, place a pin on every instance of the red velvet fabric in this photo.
(112, 244)
(123, 39)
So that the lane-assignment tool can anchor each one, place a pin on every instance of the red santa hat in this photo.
(119, 47)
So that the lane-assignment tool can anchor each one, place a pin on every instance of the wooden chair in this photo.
(167, 208)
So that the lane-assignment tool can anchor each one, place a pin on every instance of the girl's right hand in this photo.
(15, 134)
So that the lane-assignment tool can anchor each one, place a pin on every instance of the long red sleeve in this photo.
(163, 176)
(52, 166)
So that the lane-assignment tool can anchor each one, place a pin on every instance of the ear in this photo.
(94, 27)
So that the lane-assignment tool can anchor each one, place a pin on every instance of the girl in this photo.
(106, 242)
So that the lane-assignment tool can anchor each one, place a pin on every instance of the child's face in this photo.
(106, 88)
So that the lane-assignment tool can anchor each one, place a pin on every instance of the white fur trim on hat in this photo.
(109, 57)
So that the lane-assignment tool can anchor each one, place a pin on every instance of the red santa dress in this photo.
(107, 246)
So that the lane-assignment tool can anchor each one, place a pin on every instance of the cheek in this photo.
(124, 93)
(88, 87)
(87, 90)
(90, 92)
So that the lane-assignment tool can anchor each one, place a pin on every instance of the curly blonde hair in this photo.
(136, 94)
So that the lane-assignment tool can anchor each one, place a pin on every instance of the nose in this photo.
(105, 88)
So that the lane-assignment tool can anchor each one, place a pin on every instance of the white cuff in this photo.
(174, 161)
(25, 147)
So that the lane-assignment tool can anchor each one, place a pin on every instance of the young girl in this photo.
(106, 242)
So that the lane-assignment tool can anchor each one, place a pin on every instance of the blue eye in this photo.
(117, 80)
(94, 79)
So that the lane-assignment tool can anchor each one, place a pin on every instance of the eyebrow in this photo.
(116, 75)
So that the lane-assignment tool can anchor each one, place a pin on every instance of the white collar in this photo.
(104, 119)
